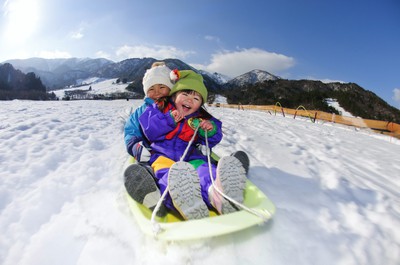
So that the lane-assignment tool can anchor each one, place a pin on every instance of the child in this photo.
(138, 178)
(170, 128)
(156, 85)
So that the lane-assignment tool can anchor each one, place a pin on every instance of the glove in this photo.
(140, 153)
(203, 149)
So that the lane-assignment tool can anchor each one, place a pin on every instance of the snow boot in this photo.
(185, 191)
(231, 181)
(243, 158)
(141, 186)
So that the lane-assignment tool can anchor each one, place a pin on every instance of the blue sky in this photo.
(343, 40)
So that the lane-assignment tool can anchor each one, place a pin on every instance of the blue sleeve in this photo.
(132, 131)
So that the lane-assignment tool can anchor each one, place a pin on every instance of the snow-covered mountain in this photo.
(57, 73)
(217, 77)
(252, 77)
(60, 73)
(58, 65)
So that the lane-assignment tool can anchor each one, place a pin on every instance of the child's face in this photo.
(158, 91)
(187, 102)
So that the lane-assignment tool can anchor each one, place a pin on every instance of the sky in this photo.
(347, 41)
(62, 198)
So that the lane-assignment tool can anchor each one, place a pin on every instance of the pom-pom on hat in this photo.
(188, 79)
(156, 75)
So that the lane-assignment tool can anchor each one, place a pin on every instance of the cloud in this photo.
(235, 63)
(157, 51)
(324, 80)
(102, 54)
(53, 54)
(211, 38)
(77, 34)
(396, 94)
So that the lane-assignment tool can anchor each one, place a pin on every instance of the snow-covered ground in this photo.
(220, 99)
(97, 86)
(335, 104)
(62, 199)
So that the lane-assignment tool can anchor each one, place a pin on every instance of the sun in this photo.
(22, 18)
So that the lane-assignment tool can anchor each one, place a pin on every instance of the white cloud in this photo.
(102, 54)
(396, 94)
(200, 66)
(77, 34)
(324, 80)
(157, 51)
(53, 54)
(327, 80)
(211, 38)
(235, 63)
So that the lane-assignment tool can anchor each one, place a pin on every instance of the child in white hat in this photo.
(156, 86)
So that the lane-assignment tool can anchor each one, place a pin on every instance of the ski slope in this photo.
(96, 86)
(62, 200)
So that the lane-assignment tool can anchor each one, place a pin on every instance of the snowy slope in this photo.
(335, 104)
(62, 199)
(97, 85)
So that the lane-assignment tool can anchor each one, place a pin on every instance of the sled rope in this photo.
(156, 226)
(263, 214)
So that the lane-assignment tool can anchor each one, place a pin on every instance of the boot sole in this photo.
(185, 191)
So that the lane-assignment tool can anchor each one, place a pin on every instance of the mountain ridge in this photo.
(254, 87)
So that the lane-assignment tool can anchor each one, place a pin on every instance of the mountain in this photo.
(255, 87)
(252, 77)
(58, 73)
(59, 65)
(312, 95)
(220, 79)
(16, 85)
(134, 69)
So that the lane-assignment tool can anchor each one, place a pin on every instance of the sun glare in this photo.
(22, 19)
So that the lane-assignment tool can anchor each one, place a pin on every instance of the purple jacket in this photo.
(170, 140)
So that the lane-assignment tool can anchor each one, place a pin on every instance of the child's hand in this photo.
(176, 115)
(206, 125)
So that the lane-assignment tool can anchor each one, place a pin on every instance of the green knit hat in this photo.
(188, 79)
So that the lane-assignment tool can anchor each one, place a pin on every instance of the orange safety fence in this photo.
(383, 127)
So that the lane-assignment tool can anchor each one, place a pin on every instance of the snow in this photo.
(97, 85)
(335, 104)
(220, 99)
(62, 199)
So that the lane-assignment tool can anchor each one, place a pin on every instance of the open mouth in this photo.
(186, 107)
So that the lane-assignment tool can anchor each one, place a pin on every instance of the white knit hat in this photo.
(157, 75)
